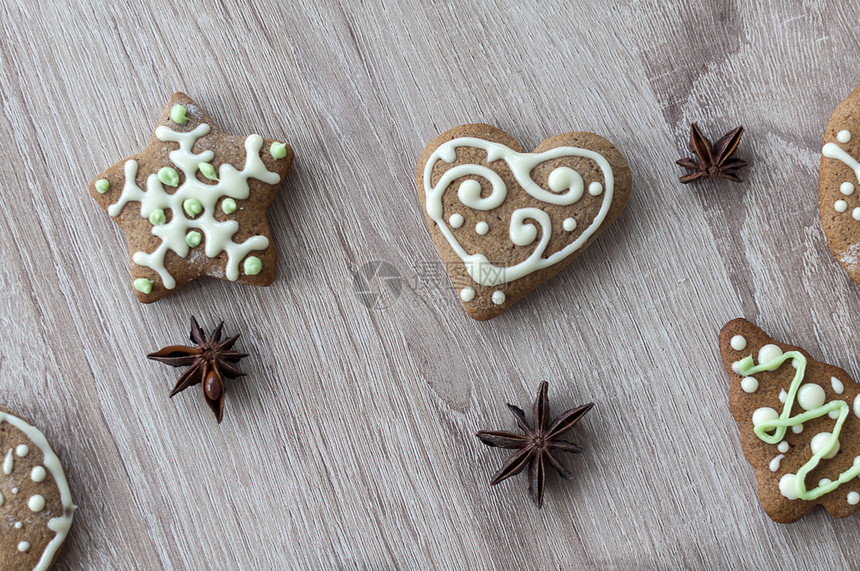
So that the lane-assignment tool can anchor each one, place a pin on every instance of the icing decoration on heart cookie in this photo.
(567, 188)
(528, 214)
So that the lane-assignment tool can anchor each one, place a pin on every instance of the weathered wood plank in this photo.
(351, 441)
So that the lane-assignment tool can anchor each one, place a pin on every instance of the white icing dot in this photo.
(768, 353)
(840, 205)
(782, 396)
(739, 342)
(764, 414)
(797, 428)
(736, 367)
(595, 188)
(856, 406)
(834, 414)
(774, 464)
(498, 297)
(467, 294)
(36, 503)
(18, 525)
(786, 486)
(846, 188)
(810, 396)
(14, 490)
(843, 136)
(749, 384)
(456, 220)
(824, 481)
(855, 214)
(22, 450)
(2, 500)
(837, 385)
(38, 474)
(482, 228)
(24, 546)
(569, 224)
(853, 498)
(8, 463)
(782, 447)
(818, 443)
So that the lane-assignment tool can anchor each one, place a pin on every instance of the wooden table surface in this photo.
(351, 441)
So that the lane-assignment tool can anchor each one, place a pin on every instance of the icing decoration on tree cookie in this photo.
(193, 202)
(505, 220)
(799, 420)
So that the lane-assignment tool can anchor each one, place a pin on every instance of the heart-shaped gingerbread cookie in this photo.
(839, 177)
(505, 221)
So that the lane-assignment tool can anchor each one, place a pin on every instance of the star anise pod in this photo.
(714, 161)
(535, 448)
(209, 362)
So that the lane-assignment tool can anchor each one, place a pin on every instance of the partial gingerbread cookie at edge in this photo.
(193, 202)
(838, 199)
(36, 508)
(799, 421)
(504, 221)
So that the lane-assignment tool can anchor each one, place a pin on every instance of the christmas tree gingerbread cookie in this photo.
(504, 221)
(799, 422)
(193, 202)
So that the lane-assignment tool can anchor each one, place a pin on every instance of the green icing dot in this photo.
(157, 217)
(278, 150)
(192, 207)
(102, 185)
(208, 171)
(228, 206)
(252, 265)
(143, 285)
(193, 238)
(168, 176)
(177, 113)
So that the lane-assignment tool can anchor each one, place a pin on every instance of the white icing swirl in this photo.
(521, 165)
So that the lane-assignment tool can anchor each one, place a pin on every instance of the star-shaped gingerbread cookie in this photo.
(193, 202)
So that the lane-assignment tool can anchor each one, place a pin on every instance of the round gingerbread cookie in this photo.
(36, 506)
(838, 199)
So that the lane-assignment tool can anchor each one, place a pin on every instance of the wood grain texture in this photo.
(350, 444)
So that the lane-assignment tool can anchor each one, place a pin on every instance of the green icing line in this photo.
(278, 150)
(193, 238)
(785, 421)
(157, 217)
(142, 285)
(177, 114)
(102, 185)
(168, 176)
(192, 207)
(208, 171)
(228, 205)
(252, 265)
